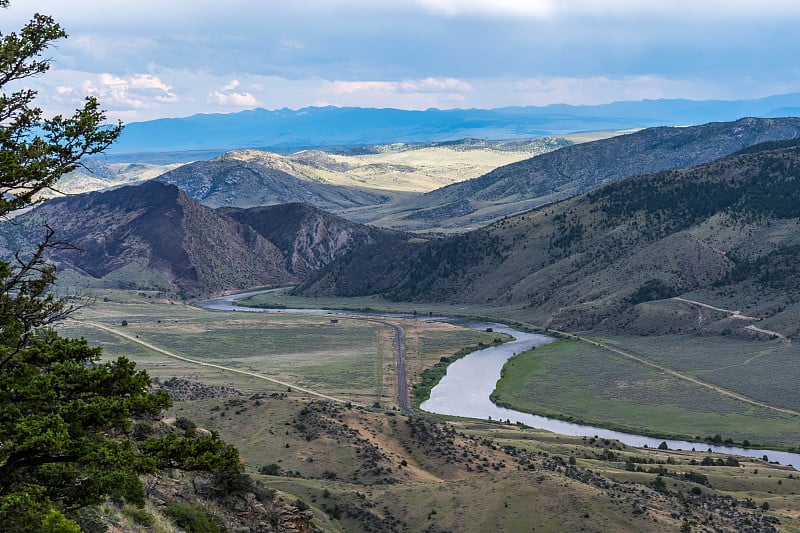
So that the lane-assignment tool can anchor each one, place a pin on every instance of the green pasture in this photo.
(764, 370)
(348, 357)
(576, 381)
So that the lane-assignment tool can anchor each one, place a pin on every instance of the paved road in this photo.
(403, 401)
(400, 362)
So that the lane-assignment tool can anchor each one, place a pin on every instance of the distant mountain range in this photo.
(334, 126)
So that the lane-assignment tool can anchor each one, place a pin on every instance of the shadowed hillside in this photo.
(154, 236)
(310, 238)
(724, 232)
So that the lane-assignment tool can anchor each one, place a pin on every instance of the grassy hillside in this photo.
(723, 233)
(402, 167)
(575, 169)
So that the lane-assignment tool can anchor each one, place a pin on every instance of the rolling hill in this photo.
(235, 183)
(724, 232)
(575, 169)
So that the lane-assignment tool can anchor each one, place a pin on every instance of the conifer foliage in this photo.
(66, 418)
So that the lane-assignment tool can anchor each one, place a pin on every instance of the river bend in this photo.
(464, 391)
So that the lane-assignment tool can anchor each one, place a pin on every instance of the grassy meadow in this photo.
(577, 381)
(351, 358)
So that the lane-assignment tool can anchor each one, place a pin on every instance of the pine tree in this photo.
(66, 438)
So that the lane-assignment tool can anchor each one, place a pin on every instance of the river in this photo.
(465, 389)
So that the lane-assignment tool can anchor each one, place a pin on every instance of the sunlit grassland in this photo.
(576, 381)
(352, 358)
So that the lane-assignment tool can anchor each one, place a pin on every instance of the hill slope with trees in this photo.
(726, 230)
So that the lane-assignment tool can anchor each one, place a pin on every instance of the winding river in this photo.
(465, 389)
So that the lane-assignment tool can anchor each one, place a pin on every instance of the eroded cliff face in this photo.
(319, 241)
(310, 238)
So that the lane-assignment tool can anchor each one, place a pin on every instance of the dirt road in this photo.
(212, 365)
(399, 360)
(673, 373)
(738, 315)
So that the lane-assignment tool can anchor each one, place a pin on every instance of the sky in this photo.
(151, 59)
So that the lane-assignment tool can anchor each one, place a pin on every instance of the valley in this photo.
(669, 288)
(387, 267)
(373, 468)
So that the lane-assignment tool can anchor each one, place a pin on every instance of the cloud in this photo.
(228, 97)
(558, 9)
(436, 85)
(427, 85)
(405, 94)
(137, 91)
(351, 87)
(595, 90)
(527, 8)
(202, 56)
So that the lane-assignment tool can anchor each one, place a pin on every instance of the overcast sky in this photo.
(148, 59)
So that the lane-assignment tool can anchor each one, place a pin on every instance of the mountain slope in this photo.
(310, 238)
(236, 183)
(578, 168)
(154, 236)
(725, 232)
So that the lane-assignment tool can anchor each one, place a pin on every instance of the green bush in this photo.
(139, 516)
(271, 469)
(193, 519)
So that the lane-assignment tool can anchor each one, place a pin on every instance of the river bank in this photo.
(466, 388)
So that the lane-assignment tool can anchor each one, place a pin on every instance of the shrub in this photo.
(185, 424)
(271, 469)
(193, 519)
(139, 516)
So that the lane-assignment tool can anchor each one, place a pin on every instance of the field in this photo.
(350, 358)
(760, 369)
(574, 380)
